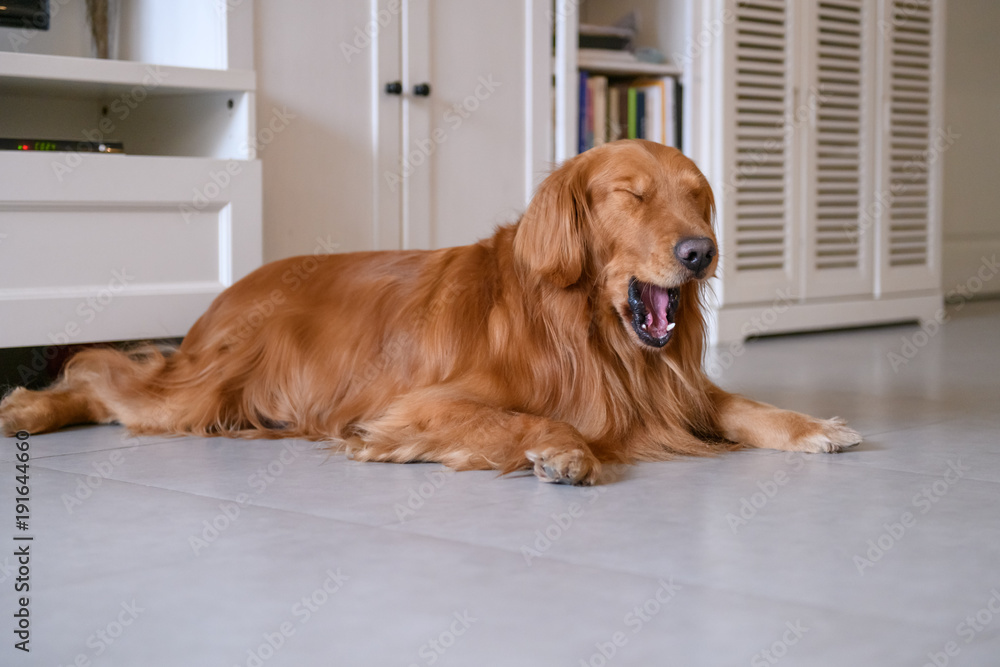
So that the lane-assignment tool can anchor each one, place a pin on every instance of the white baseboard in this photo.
(733, 324)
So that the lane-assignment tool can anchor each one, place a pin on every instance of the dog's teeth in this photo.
(670, 327)
(643, 327)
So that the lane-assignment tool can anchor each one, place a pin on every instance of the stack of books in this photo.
(628, 108)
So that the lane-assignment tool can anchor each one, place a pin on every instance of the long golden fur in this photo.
(567, 340)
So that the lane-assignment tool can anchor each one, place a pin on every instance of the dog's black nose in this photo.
(696, 253)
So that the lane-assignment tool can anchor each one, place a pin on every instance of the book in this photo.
(622, 110)
(678, 115)
(599, 117)
(656, 110)
(606, 55)
(606, 38)
(640, 113)
(653, 128)
(670, 112)
(614, 117)
(632, 123)
(582, 114)
(634, 108)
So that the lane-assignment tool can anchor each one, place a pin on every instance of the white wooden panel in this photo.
(838, 223)
(567, 94)
(186, 249)
(59, 74)
(387, 145)
(420, 120)
(320, 168)
(466, 148)
(120, 247)
(757, 204)
(539, 68)
(198, 37)
(909, 253)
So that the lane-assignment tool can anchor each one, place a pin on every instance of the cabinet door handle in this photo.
(394, 88)
(422, 89)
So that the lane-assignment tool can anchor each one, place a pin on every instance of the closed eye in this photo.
(638, 195)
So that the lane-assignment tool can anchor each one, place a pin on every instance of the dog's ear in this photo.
(550, 238)
(706, 200)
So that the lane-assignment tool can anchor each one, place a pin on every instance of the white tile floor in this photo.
(222, 552)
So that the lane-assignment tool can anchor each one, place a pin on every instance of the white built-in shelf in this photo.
(134, 246)
(153, 109)
(616, 66)
(21, 72)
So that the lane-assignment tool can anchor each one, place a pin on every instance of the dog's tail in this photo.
(150, 390)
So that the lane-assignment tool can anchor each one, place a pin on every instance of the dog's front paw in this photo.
(565, 466)
(829, 435)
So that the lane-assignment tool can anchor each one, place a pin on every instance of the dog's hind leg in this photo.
(97, 385)
(444, 424)
(48, 410)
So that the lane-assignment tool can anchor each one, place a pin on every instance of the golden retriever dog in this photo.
(569, 340)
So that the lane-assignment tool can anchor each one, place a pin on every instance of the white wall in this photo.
(971, 218)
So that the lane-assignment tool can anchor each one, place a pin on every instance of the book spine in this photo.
(633, 126)
(622, 111)
(678, 128)
(614, 120)
(664, 90)
(589, 120)
(600, 104)
(640, 114)
(582, 114)
(654, 112)
(667, 122)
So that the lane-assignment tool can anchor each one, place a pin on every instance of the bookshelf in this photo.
(574, 124)
(153, 109)
(627, 106)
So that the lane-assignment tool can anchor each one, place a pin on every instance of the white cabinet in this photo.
(824, 168)
(367, 169)
(473, 150)
(97, 247)
(798, 150)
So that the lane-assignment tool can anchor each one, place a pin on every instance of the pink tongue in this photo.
(656, 301)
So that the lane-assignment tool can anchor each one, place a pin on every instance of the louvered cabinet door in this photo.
(756, 198)
(910, 152)
(838, 180)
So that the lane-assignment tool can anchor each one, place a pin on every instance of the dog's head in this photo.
(634, 219)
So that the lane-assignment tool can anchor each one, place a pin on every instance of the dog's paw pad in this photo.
(565, 466)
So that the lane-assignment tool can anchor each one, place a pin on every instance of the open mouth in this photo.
(653, 310)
